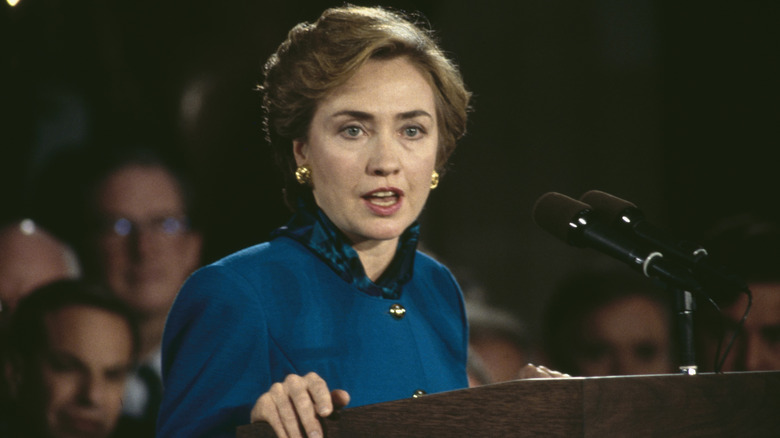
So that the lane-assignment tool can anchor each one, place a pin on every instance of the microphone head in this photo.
(553, 212)
(606, 206)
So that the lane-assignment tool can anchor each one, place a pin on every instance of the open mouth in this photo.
(383, 198)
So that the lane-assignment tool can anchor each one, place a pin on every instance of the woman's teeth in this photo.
(383, 198)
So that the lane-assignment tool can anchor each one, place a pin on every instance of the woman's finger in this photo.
(265, 410)
(302, 403)
(287, 411)
(531, 371)
(320, 394)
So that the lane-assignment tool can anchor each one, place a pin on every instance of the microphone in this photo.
(576, 223)
(625, 215)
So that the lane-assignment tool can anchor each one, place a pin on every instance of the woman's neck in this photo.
(376, 256)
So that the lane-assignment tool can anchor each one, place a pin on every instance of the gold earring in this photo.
(303, 175)
(434, 180)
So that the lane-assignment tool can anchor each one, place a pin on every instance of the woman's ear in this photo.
(300, 149)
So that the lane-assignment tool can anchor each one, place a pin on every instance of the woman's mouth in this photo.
(382, 198)
(385, 201)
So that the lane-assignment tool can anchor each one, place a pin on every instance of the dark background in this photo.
(671, 105)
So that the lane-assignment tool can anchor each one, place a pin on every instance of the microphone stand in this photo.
(680, 283)
(684, 306)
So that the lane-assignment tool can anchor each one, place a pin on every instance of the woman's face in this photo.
(371, 149)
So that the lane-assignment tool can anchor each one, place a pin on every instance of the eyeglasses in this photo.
(160, 226)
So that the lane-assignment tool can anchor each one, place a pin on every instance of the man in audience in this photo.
(68, 351)
(141, 244)
(748, 246)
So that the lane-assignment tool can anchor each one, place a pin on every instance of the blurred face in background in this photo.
(757, 347)
(82, 372)
(29, 258)
(145, 248)
(628, 336)
(501, 357)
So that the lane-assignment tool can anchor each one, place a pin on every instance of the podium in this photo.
(745, 404)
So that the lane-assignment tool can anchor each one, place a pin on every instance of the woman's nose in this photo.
(384, 160)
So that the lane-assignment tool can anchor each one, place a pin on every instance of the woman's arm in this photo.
(215, 356)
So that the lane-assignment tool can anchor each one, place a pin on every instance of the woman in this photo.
(362, 110)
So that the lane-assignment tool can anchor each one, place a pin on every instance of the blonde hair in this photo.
(319, 57)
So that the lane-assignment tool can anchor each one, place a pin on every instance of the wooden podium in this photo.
(705, 405)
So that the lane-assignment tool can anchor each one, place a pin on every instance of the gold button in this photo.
(418, 393)
(397, 311)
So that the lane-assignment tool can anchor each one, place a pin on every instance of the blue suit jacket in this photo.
(249, 320)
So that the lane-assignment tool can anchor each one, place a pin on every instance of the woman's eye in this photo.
(413, 131)
(352, 131)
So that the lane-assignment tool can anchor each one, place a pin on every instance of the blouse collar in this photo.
(312, 228)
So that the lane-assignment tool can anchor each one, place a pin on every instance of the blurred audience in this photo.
(142, 245)
(68, 351)
(610, 322)
(747, 245)
(476, 371)
(30, 257)
(129, 212)
(498, 343)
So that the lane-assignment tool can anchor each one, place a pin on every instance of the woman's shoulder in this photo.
(251, 276)
(429, 270)
(258, 263)
(426, 258)
(280, 249)
(427, 263)
(271, 248)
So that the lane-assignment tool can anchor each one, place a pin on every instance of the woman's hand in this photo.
(295, 403)
(531, 371)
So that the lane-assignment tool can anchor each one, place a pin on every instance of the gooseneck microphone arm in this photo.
(623, 214)
(575, 223)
